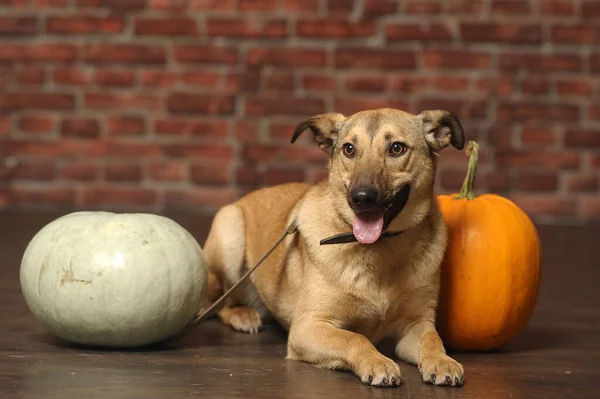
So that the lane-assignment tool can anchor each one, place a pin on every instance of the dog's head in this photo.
(382, 164)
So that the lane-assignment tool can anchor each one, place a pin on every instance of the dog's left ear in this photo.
(442, 128)
(324, 127)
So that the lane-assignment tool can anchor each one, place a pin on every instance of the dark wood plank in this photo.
(556, 356)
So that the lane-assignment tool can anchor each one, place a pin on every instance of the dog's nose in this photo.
(364, 196)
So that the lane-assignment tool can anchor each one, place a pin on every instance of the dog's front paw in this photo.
(442, 370)
(241, 318)
(380, 372)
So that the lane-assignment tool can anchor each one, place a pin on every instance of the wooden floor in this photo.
(557, 356)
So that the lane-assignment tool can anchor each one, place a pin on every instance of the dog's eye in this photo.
(348, 150)
(397, 149)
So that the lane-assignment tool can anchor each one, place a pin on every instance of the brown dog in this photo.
(337, 301)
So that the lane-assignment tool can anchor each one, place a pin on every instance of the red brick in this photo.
(316, 175)
(540, 62)
(594, 112)
(417, 31)
(37, 170)
(173, 26)
(543, 205)
(538, 136)
(36, 124)
(4, 126)
(168, 5)
(246, 131)
(212, 5)
(296, 57)
(365, 83)
(577, 34)
(283, 175)
(257, 5)
(510, 7)
(270, 105)
(326, 28)
(595, 62)
(117, 196)
(74, 147)
(51, 3)
(122, 101)
(450, 83)
(580, 183)
(200, 197)
(249, 28)
(80, 171)
(590, 9)
(116, 5)
(318, 82)
(352, 105)
(203, 54)
(82, 24)
(280, 131)
(159, 78)
(407, 83)
(559, 8)
(201, 79)
(590, 208)
(525, 111)
(452, 179)
(120, 52)
(47, 195)
(594, 161)
(126, 125)
(286, 153)
(454, 59)
(36, 100)
(119, 78)
(123, 173)
(36, 52)
(580, 87)
(18, 26)
(422, 7)
(70, 76)
(379, 7)
(80, 127)
(501, 84)
(375, 58)
(248, 175)
(340, 8)
(279, 81)
(166, 170)
(466, 7)
(198, 151)
(198, 103)
(243, 81)
(535, 84)
(536, 181)
(583, 138)
(190, 127)
(537, 158)
(31, 76)
(495, 32)
(210, 173)
(300, 5)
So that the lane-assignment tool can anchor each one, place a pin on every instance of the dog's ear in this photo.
(324, 127)
(442, 128)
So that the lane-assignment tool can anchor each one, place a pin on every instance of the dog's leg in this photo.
(224, 251)
(327, 346)
(421, 345)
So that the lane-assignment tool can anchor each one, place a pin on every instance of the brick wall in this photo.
(149, 104)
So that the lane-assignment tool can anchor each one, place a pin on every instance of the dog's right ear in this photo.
(324, 127)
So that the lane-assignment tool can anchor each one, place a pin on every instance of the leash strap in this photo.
(292, 228)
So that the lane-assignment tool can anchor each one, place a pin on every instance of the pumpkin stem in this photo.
(467, 188)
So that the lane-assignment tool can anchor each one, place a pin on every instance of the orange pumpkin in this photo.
(491, 271)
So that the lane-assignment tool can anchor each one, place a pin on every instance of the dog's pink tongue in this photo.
(367, 226)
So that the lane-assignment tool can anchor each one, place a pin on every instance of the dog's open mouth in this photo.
(368, 226)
